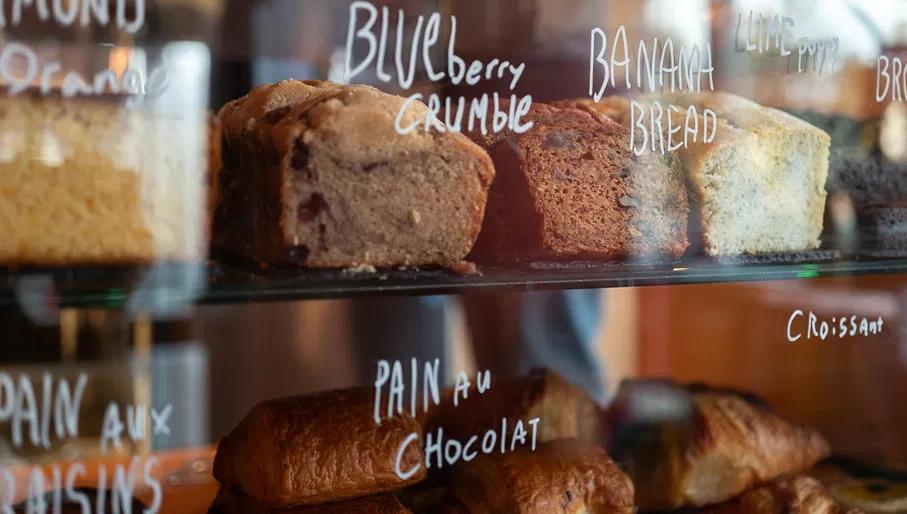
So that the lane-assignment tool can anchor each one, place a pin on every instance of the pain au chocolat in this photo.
(96, 181)
(319, 448)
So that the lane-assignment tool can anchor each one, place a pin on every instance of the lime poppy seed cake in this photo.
(759, 186)
(316, 175)
(568, 189)
(88, 181)
(761, 183)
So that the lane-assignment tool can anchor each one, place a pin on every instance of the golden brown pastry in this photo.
(614, 107)
(873, 496)
(787, 495)
(560, 477)
(564, 410)
(695, 446)
(228, 502)
(316, 449)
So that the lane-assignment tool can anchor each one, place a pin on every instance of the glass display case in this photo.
(453, 257)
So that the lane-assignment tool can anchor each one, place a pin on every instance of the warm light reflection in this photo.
(894, 125)
(119, 58)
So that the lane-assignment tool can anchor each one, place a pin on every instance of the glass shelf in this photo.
(172, 287)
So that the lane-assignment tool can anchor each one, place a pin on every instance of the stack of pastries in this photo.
(659, 446)
(326, 453)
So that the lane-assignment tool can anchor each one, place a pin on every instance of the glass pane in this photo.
(309, 256)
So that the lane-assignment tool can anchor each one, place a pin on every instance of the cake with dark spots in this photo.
(316, 175)
(569, 189)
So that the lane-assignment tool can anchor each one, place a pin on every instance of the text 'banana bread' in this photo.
(316, 175)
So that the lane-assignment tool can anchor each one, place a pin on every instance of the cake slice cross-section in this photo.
(757, 187)
(317, 175)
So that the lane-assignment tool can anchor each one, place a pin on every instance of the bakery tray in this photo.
(171, 287)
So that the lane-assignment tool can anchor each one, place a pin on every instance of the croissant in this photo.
(695, 446)
(872, 495)
(788, 495)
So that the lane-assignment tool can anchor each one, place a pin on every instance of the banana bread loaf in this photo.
(568, 189)
(759, 187)
(693, 446)
(316, 175)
